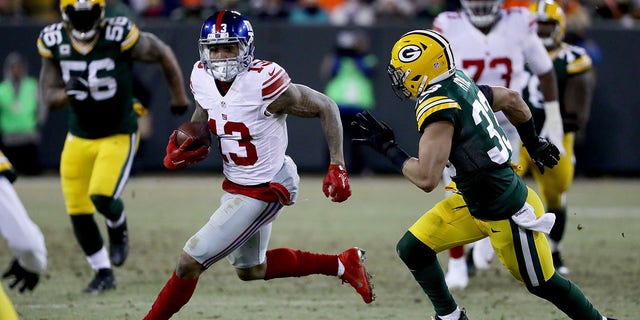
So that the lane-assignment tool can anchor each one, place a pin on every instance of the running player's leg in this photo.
(234, 223)
(446, 225)
(526, 254)
(110, 175)
(76, 166)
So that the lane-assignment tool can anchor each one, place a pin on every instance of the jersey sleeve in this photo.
(436, 108)
(49, 37)
(132, 34)
(580, 62)
(487, 92)
(274, 82)
(6, 169)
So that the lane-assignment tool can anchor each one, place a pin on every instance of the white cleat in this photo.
(457, 277)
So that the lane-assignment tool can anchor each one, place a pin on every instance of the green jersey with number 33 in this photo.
(480, 151)
(106, 65)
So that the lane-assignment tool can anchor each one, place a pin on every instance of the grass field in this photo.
(601, 248)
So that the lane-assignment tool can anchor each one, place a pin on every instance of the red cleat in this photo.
(355, 273)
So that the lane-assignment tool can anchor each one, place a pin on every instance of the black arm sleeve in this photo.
(488, 93)
(527, 132)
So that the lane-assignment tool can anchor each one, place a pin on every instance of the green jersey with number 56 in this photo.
(106, 65)
(480, 151)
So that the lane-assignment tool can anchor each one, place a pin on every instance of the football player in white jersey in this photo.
(576, 79)
(493, 46)
(24, 238)
(246, 102)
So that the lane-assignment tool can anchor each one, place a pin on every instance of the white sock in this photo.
(340, 268)
(115, 224)
(99, 260)
(455, 315)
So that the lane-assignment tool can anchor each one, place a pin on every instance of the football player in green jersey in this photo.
(576, 79)
(457, 123)
(87, 64)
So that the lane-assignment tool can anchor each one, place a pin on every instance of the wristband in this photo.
(397, 156)
(527, 132)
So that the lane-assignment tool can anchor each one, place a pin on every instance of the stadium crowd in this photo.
(327, 12)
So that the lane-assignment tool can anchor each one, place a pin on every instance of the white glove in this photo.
(552, 126)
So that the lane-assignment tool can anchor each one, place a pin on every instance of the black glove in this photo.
(178, 110)
(543, 153)
(380, 137)
(29, 279)
(77, 88)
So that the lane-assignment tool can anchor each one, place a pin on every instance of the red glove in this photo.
(336, 183)
(178, 157)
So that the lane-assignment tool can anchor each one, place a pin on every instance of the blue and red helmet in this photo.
(225, 27)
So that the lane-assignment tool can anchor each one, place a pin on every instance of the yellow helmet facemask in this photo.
(551, 22)
(83, 17)
(419, 58)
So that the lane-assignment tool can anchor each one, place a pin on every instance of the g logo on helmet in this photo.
(409, 53)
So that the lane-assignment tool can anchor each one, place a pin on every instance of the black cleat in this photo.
(118, 244)
(102, 281)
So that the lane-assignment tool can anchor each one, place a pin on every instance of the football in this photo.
(198, 130)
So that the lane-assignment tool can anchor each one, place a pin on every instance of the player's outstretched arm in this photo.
(305, 102)
(542, 151)
(302, 101)
(151, 49)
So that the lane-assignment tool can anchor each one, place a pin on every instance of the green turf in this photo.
(601, 249)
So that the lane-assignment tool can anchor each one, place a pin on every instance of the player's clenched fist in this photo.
(178, 157)
(336, 183)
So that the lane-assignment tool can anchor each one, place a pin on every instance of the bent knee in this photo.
(188, 267)
(252, 273)
(413, 252)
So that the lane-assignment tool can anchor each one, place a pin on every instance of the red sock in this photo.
(285, 262)
(175, 294)
(456, 252)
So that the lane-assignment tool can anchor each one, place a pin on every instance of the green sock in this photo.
(568, 297)
(431, 279)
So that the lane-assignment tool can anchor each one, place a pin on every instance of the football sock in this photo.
(87, 233)
(558, 227)
(566, 296)
(109, 207)
(423, 263)
(285, 262)
(175, 294)
(455, 315)
(456, 252)
(117, 223)
(99, 260)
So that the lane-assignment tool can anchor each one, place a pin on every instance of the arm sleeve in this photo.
(488, 93)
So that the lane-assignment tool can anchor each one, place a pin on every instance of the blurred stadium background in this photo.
(605, 147)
